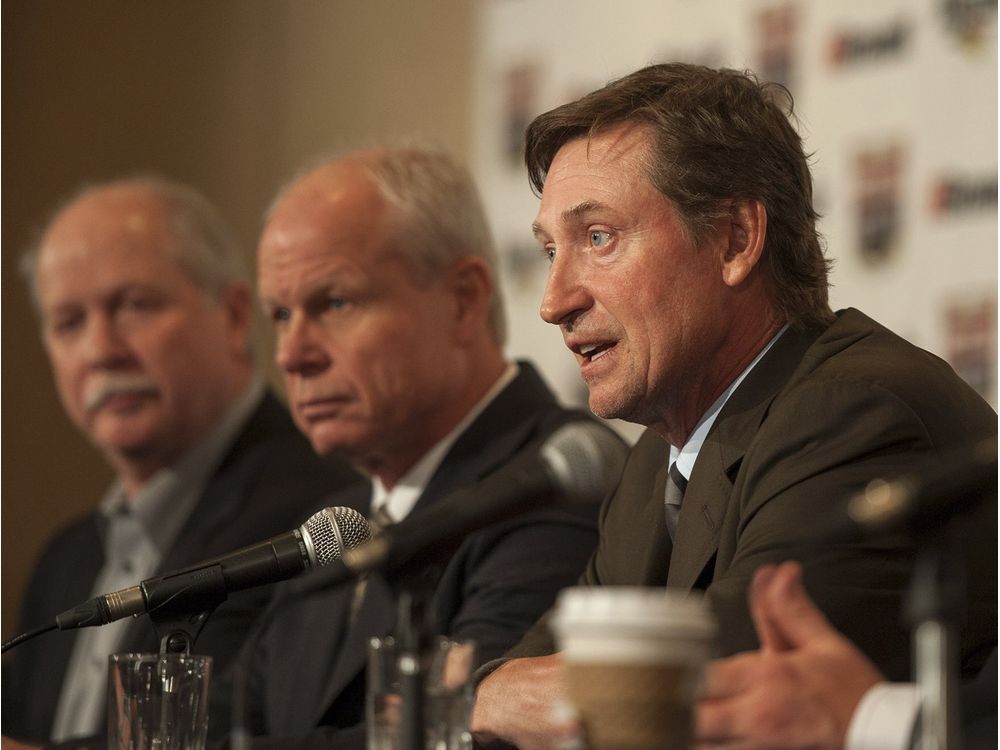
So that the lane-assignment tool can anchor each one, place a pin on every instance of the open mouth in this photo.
(593, 352)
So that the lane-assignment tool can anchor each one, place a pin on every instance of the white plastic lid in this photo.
(665, 612)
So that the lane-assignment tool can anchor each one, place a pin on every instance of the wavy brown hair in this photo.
(717, 135)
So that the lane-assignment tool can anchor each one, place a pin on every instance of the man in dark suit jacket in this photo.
(770, 472)
(378, 270)
(310, 669)
(146, 311)
(688, 279)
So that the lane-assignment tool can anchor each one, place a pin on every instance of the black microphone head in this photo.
(331, 531)
(584, 460)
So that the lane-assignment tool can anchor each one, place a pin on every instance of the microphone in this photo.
(922, 501)
(320, 541)
(578, 464)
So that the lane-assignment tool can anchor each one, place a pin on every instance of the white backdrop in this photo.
(897, 100)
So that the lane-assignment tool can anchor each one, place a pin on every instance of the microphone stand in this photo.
(934, 605)
(412, 637)
(178, 633)
(178, 627)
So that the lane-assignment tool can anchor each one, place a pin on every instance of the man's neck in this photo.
(136, 471)
(487, 383)
(678, 424)
(137, 468)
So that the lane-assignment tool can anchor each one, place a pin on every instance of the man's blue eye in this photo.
(336, 303)
(599, 238)
(281, 314)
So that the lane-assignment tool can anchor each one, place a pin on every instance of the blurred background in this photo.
(897, 101)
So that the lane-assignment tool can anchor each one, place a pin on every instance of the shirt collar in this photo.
(167, 499)
(688, 453)
(405, 493)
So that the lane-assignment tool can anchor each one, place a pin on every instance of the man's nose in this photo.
(299, 349)
(103, 343)
(566, 295)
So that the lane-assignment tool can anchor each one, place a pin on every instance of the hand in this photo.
(524, 704)
(799, 691)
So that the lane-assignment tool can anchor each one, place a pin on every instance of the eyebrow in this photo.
(571, 214)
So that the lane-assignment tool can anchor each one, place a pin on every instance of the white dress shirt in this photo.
(687, 454)
(885, 718)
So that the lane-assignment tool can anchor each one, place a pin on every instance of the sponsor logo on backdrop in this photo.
(971, 331)
(878, 203)
(868, 45)
(776, 32)
(954, 194)
(969, 21)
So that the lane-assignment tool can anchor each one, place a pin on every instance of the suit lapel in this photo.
(217, 508)
(347, 651)
(51, 657)
(705, 502)
(497, 434)
(710, 486)
(317, 630)
(653, 518)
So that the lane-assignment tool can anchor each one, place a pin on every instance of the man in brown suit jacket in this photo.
(688, 279)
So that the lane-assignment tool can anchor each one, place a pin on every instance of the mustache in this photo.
(98, 391)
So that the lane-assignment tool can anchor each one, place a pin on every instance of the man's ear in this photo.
(471, 285)
(747, 229)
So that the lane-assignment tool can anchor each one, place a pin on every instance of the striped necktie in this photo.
(381, 518)
(676, 484)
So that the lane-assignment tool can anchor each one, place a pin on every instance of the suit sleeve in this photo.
(630, 548)
(825, 442)
(512, 576)
(33, 672)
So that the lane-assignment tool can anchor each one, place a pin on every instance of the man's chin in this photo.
(134, 436)
(334, 444)
(610, 405)
(134, 448)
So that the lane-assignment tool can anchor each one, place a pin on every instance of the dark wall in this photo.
(231, 96)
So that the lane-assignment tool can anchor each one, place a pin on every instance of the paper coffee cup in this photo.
(633, 658)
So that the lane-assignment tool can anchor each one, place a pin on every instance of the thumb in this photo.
(783, 613)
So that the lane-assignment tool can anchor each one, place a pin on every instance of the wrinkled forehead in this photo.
(334, 200)
(97, 247)
(331, 228)
(600, 170)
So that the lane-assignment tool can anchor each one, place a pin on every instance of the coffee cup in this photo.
(633, 658)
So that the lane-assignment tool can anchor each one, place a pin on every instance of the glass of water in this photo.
(447, 667)
(158, 702)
